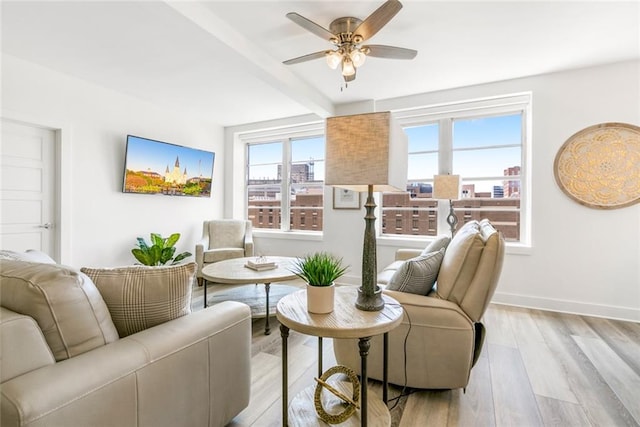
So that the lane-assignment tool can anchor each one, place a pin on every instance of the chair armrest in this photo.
(176, 373)
(248, 245)
(201, 246)
(405, 254)
(431, 312)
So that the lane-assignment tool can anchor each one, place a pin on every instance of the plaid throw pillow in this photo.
(417, 275)
(140, 297)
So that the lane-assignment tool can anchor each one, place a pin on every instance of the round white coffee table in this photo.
(234, 272)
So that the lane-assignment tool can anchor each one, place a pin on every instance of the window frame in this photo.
(286, 136)
(444, 116)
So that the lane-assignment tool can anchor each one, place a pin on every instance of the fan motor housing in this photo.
(344, 28)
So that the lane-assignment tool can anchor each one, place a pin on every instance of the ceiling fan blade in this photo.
(378, 19)
(305, 58)
(311, 26)
(382, 51)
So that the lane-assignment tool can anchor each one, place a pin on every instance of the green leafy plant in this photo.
(160, 251)
(319, 269)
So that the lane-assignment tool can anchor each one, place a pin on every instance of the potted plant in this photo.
(320, 270)
(160, 252)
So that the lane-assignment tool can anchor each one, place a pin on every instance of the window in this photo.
(485, 143)
(286, 176)
(416, 207)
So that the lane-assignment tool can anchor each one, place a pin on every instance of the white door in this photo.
(27, 188)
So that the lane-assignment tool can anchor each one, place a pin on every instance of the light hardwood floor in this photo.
(537, 368)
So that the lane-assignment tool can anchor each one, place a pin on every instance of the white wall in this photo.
(100, 222)
(582, 260)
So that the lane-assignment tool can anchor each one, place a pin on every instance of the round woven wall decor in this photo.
(599, 166)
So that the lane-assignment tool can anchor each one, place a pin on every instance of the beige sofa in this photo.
(443, 330)
(64, 364)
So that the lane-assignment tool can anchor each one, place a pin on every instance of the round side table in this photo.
(345, 321)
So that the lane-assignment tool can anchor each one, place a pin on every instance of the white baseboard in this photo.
(565, 306)
(549, 304)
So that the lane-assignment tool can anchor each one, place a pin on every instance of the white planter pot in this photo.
(320, 299)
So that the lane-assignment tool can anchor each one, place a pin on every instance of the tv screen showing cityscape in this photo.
(156, 167)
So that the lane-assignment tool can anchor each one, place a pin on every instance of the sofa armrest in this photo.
(22, 345)
(405, 254)
(194, 370)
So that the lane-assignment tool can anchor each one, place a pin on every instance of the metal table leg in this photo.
(385, 368)
(204, 285)
(267, 328)
(319, 357)
(284, 333)
(364, 344)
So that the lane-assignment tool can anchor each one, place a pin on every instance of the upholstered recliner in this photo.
(445, 333)
(223, 239)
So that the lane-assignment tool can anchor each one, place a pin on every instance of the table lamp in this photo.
(367, 152)
(447, 187)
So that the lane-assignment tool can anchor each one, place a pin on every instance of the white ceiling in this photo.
(223, 60)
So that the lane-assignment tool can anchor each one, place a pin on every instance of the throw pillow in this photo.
(30, 255)
(440, 243)
(64, 302)
(417, 275)
(140, 297)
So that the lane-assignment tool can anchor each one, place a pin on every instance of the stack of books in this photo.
(260, 264)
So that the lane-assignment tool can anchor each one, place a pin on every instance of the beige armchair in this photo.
(445, 333)
(223, 239)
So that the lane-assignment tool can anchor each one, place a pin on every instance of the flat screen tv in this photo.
(155, 167)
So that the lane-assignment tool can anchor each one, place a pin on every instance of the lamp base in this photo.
(370, 302)
(452, 219)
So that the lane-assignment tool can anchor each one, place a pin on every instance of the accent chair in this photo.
(223, 239)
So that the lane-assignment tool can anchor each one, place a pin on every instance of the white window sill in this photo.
(289, 235)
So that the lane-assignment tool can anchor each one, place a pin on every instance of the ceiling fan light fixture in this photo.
(334, 58)
(347, 35)
(347, 67)
(357, 57)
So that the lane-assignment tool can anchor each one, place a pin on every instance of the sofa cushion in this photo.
(460, 262)
(385, 275)
(215, 255)
(64, 302)
(440, 243)
(417, 275)
(140, 297)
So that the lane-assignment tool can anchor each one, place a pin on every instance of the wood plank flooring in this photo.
(537, 368)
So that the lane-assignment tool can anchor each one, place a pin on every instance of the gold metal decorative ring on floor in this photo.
(351, 404)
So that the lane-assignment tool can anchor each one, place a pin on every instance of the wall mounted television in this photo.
(156, 167)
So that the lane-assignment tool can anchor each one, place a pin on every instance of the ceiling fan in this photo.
(348, 34)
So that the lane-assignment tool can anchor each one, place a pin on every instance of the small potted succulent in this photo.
(320, 270)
